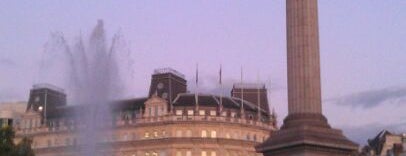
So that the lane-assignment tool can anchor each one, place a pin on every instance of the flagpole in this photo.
(197, 87)
(221, 89)
(242, 93)
(259, 97)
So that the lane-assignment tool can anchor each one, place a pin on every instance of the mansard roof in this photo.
(208, 100)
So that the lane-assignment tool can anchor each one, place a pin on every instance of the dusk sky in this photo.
(363, 50)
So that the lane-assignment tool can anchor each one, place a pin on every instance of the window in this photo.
(204, 133)
(49, 143)
(179, 112)
(213, 134)
(147, 154)
(213, 113)
(74, 141)
(178, 133)
(156, 111)
(133, 136)
(155, 134)
(228, 135)
(213, 153)
(224, 113)
(188, 153)
(190, 112)
(146, 135)
(67, 141)
(202, 112)
(204, 153)
(188, 133)
(233, 114)
(154, 154)
(248, 137)
(164, 133)
(178, 153)
(149, 112)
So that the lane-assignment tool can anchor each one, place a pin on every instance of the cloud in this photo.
(373, 98)
(361, 134)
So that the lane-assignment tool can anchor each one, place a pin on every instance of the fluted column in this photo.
(304, 89)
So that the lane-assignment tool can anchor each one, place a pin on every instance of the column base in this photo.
(307, 135)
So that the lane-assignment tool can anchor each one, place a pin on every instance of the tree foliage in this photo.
(8, 148)
(6, 141)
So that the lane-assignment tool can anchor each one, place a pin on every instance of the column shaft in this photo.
(304, 89)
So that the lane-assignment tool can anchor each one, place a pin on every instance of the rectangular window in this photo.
(233, 114)
(213, 113)
(188, 133)
(204, 153)
(156, 111)
(149, 111)
(178, 133)
(213, 134)
(213, 153)
(164, 133)
(188, 153)
(202, 112)
(204, 133)
(224, 113)
(146, 135)
(179, 112)
(178, 153)
(155, 134)
(67, 141)
(228, 135)
(190, 112)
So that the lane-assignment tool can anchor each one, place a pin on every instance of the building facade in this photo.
(169, 122)
(11, 112)
(386, 144)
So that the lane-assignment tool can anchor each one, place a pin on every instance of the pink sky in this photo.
(362, 49)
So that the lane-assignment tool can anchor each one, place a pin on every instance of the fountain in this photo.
(94, 81)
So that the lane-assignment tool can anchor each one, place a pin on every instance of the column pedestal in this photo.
(307, 135)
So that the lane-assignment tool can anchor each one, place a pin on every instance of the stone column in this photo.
(305, 131)
(304, 94)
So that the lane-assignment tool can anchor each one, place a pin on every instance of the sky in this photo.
(361, 44)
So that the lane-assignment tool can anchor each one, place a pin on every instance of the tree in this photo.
(6, 141)
(8, 148)
(23, 148)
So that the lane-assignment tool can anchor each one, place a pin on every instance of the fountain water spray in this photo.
(94, 81)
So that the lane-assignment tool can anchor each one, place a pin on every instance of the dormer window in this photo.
(190, 112)
(224, 113)
(213, 113)
(202, 112)
(179, 112)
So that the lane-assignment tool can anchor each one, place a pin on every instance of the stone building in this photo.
(11, 112)
(386, 144)
(169, 122)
